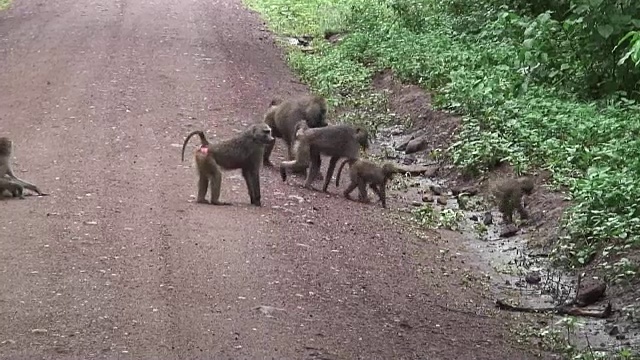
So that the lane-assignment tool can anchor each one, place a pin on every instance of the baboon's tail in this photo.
(203, 140)
(340, 170)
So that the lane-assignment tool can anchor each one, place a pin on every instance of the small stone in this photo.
(408, 161)
(296, 197)
(508, 231)
(437, 190)
(487, 219)
(61, 349)
(469, 191)
(533, 278)
(403, 145)
(442, 200)
(416, 170)
(614, 331)
(416, 145)
(267, 310)
(591, 293)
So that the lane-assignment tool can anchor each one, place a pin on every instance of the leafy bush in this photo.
(546, 84)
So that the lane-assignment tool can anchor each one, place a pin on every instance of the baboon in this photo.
(508, 196)
(363, 172)
(335, 141)
(243, 152)
(6, 172)
(590, 294)
(300, 153)
(14, 188)
(282, 117)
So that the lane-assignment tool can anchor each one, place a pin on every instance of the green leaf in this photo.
(528, 44)
(605, 30)
(581, 9)
(625, 57)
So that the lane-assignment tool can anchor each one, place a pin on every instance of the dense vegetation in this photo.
(542, 84)
(4, 4)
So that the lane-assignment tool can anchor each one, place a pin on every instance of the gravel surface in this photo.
(118, 262)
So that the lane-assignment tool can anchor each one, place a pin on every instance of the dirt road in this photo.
(120, 263)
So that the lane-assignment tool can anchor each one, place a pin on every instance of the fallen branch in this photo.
(559, 310)
(538, 255)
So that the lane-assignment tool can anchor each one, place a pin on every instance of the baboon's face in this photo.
(262, 134)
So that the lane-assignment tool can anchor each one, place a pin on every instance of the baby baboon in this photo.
(6, 172)
(283, 116)
(14, 188)
(241, 152)
(335, 141)
(363, 172)
(300, 153)
(508, 196)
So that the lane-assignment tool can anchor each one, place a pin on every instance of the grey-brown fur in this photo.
(363, 172)
(335, 141)
(282, 117)
(301, 153)
(6, 172)
(244, 151)
(508, 196)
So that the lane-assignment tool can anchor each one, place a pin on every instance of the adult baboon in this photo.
(240, 152)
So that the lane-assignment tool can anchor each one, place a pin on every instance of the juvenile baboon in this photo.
(508, 196)
(243, 152)
(363, 172)
(14, 188)
(282, 117)
(6, 172)
(335, 141)
(300, 153)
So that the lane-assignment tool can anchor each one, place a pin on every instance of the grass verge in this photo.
(591, 148)
(4, 4)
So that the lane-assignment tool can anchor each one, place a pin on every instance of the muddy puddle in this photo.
(518, 273)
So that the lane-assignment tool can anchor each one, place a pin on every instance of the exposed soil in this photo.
(413, 103)
(119, 262)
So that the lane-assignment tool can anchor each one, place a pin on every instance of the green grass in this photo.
(591, 148)
(303, 17)
(4, 4)
(327, 71)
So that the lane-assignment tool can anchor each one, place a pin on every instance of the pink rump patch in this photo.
(203, 149)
